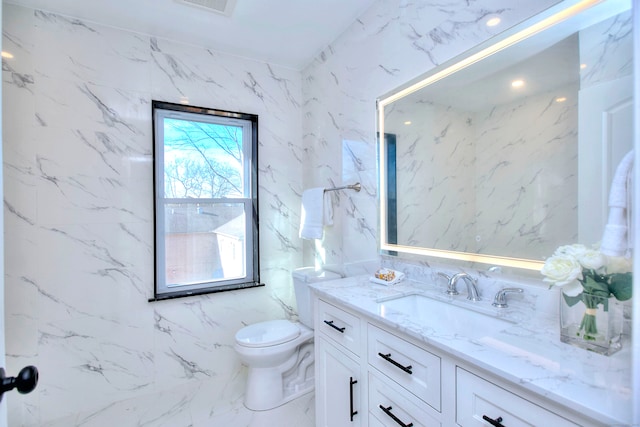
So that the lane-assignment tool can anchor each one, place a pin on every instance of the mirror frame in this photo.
(539, 23)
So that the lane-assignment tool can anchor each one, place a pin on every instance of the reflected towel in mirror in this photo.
(618, 237)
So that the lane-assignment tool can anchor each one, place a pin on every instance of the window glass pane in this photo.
(204, 242)
(203, 160)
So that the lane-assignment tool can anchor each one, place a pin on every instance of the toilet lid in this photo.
(271, 332)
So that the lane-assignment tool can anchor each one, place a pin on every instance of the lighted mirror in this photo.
(508, 151)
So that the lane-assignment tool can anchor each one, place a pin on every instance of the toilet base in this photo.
(289, 395)
(268, 388)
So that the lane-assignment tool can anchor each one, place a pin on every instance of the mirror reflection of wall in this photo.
(492, 166)
(606, 117)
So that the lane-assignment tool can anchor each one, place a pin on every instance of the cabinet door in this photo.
(339, 387)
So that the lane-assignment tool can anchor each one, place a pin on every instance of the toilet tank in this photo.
(302, 277)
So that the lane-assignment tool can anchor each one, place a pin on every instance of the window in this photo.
(206, 206)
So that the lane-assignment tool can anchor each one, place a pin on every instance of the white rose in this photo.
(619, 264)
(561, 270)
(572, 289)
(592, 259)
(576, 250)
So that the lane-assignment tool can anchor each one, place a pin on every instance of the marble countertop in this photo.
(528, 352)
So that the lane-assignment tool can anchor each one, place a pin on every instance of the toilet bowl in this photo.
(270, 354)
(279, 353)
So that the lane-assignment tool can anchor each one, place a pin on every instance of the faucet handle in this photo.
(500, 299)
(446, 276)
(451, 284)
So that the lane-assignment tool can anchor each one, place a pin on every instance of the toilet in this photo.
(279, 353)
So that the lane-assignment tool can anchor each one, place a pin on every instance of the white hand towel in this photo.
(617, 236)
(317, 212)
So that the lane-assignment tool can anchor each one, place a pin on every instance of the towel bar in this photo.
(355, 186)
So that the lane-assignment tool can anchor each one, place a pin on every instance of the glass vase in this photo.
(592, 322)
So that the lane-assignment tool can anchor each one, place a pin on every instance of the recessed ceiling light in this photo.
(517, 83)
(408, 122)
(7, 55)
(184, 100)
(561, 99)
(583, 66)
(492, 22)
(223, 7)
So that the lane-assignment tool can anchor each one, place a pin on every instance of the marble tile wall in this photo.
(435, 166)
(527, 191)
(606, 49)
(464, 187)
(79, 224)
(606, 90)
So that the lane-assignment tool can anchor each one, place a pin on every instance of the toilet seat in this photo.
(269, 333)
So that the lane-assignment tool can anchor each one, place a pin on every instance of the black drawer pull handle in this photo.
(388, 358)
(393, 417)
(496, 423)
(330, 323)
(351, 383)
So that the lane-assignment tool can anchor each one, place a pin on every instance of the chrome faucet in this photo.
(472, 285)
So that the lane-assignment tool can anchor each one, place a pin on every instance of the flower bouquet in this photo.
(587, 276)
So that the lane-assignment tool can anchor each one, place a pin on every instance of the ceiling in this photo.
(284, 32)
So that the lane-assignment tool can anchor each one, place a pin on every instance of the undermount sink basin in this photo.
(441, 317)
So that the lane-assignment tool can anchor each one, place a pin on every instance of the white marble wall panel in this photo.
(527, 203)
(606, 50)
(79, 225)
(79, 51)
(391, 43)
(435, 171)
(485, 181)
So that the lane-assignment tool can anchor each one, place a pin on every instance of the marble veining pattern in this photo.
(521, 216)
(606, 49)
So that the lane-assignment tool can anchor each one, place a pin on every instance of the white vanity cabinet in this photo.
(401, 381)
(340, 380)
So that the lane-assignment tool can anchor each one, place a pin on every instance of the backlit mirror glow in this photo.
(489, 174)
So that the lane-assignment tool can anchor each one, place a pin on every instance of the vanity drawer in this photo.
(412, 367)
(398, 403)
(476, 397)
(339, 325)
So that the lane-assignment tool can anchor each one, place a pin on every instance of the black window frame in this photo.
(252, 216)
